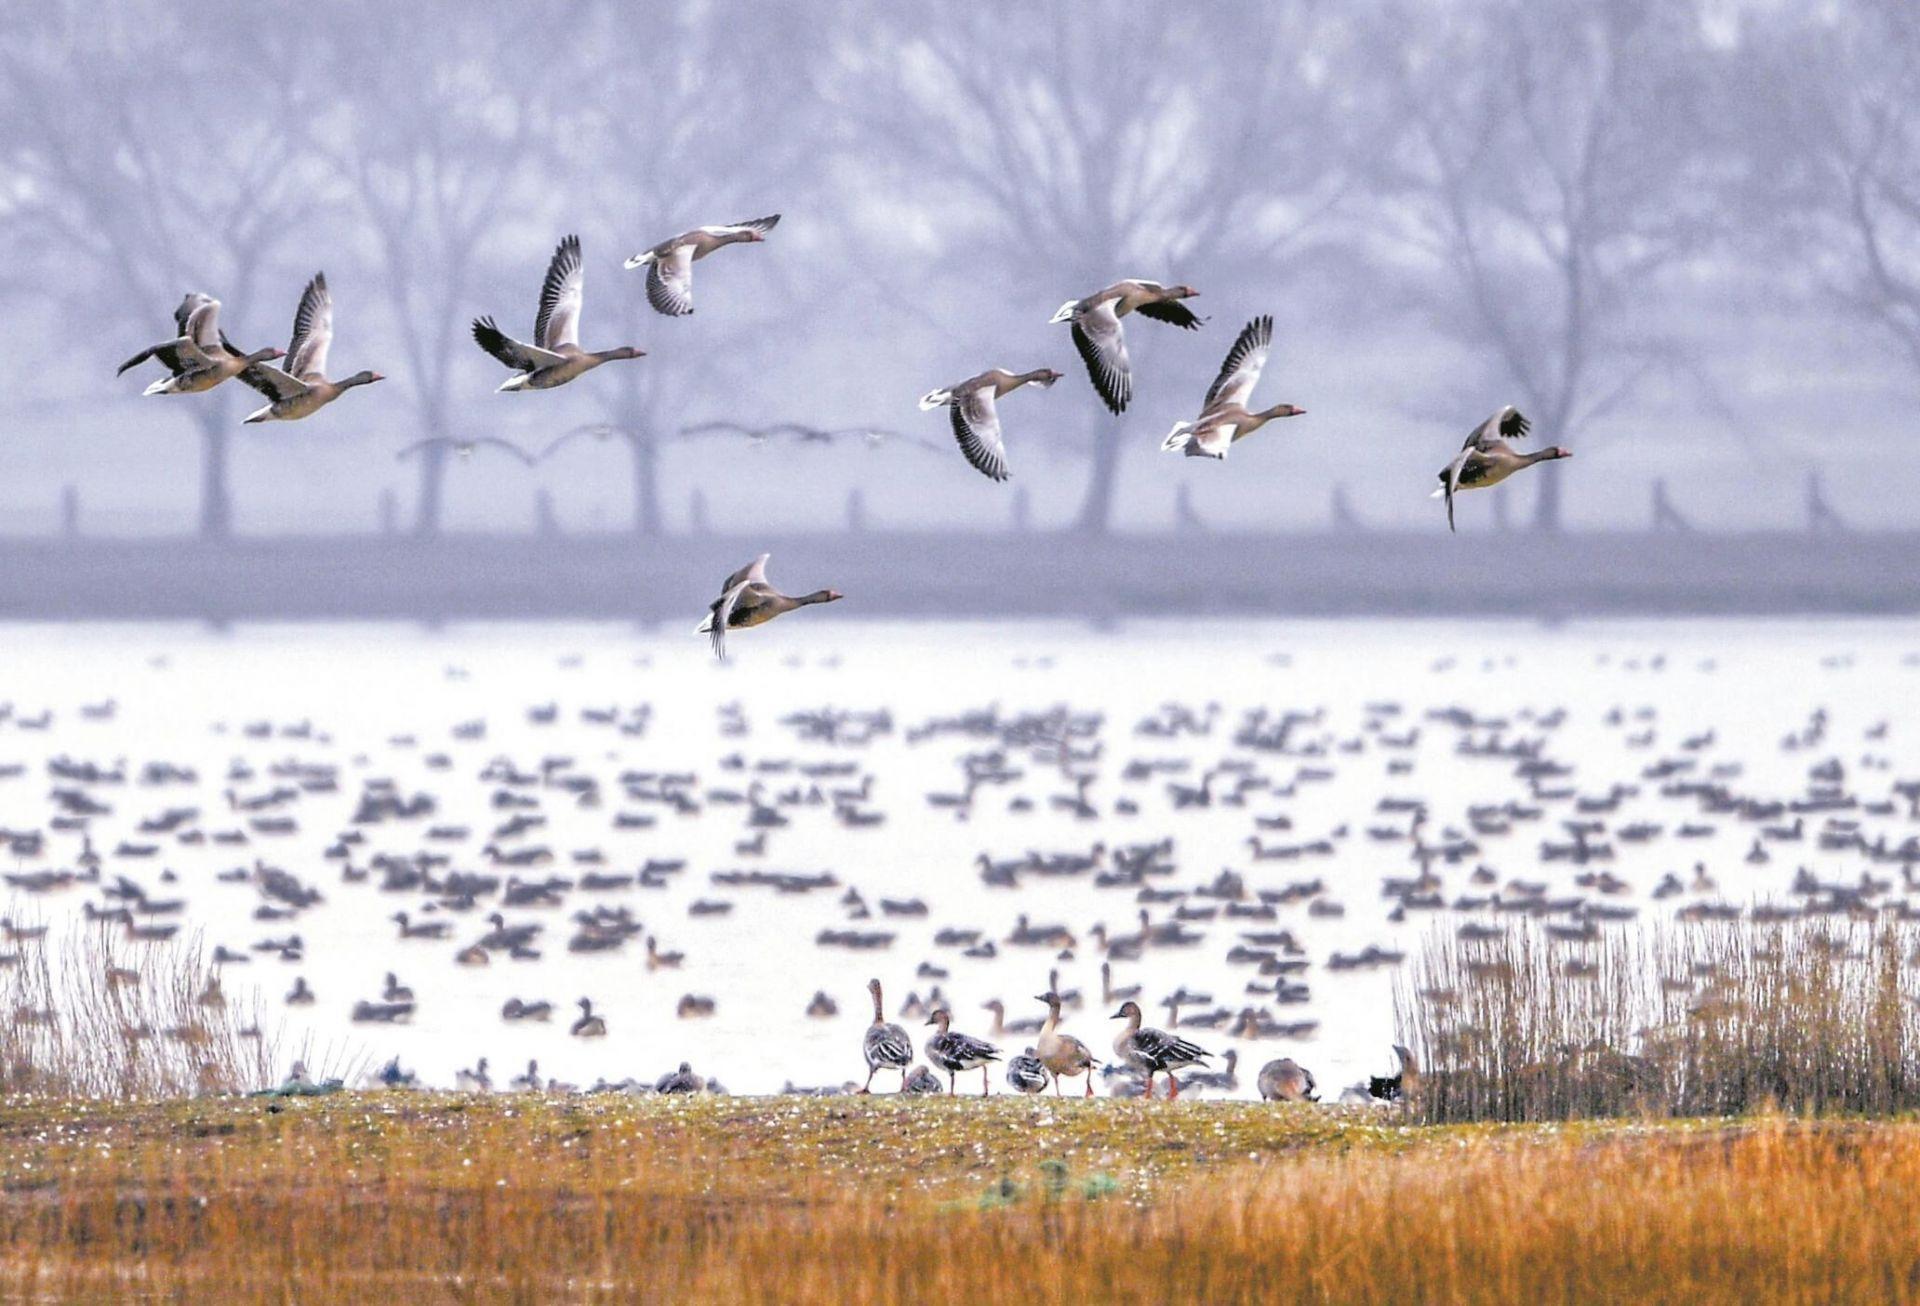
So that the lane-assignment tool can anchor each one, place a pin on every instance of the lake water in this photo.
(381, 701)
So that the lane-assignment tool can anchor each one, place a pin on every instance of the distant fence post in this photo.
(70, 512)
(697, 512)
(1344, 517)
(389, 513)
(1022, 510)
(1666, 517)
(1185, 516)
(545, 523)
(1501, 520)
(1821, 518)
(856, 510)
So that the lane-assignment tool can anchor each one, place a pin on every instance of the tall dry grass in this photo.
(342, 1205)
(1700, 1019)
(91, 1014)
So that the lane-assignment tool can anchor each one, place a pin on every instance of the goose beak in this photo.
(1118, 1015)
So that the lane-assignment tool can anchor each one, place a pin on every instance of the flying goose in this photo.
(1102, 342)
(1487, 459)
(467, 448)
(1225, 417)
(1062, 1054)
(746, 599)
(976, 422)
(1154, 1050)
(669, 264)
(201, 356)
(1286, 1080)
(954, 1053)
(555, 356)
(301, 389)
(885, 1044)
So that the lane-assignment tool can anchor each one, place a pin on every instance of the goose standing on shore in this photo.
(885, 1044)
(300, 388)
(1101, 340)
(669, 264)
(954, 1053)
(976, 420)
(1026, 1074)
(1225, 417)
(200, 357)
(1154, 1050)
(746, 599)
(1486, 459)
(1062, 1054)
(1286, 1080)
(555, 356)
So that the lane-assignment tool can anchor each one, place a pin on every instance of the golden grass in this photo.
(365, 1196)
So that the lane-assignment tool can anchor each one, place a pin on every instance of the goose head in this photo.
(1129, 1010)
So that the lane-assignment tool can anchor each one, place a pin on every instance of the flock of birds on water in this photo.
(505, 894)
(295, 384)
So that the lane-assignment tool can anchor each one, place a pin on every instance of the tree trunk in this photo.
(216, 498)
(1546, 507)
(433, 476)
(646, 482)
(1096, 509)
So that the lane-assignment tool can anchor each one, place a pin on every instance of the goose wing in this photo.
(722, 615)
(760, 225)
(272, 382)
(670, 282)
(976, 425)
(1241, 370)
(198, 318)
(753, 571)
(887, 1045)
(1170, 311)
(1507, 424)
(177, 355)
(558, 322)
(1165, 1049)
(312, 330)
(1102, 343)
(518, 355)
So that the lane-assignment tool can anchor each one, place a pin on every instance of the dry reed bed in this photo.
(1811, 1015)
(357, 1197)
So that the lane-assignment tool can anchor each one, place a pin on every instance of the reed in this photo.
(1698, 1019)
(92, 1014)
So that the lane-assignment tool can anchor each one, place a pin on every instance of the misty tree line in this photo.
(1545, 183)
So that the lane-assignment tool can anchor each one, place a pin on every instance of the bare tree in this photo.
(692, 125)
(1836, 169)
(433, 181)
(1554, 166)
(141, 179)
(1071, 149)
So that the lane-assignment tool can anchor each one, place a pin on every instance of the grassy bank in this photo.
(357, 1196)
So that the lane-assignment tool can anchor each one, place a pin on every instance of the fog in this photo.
(1683, 236)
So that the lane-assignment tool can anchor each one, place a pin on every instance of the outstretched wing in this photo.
(1102, 343)
(198, 318)
(760, 225)
(1507, 424)
(312, 330)
(755, 571)
(1241, 370)
(272, 382)
(516, 354)
(558, 321)
(723, 614)
(670, 282)
(976, 425)
(505, 446)
(1171, 311)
